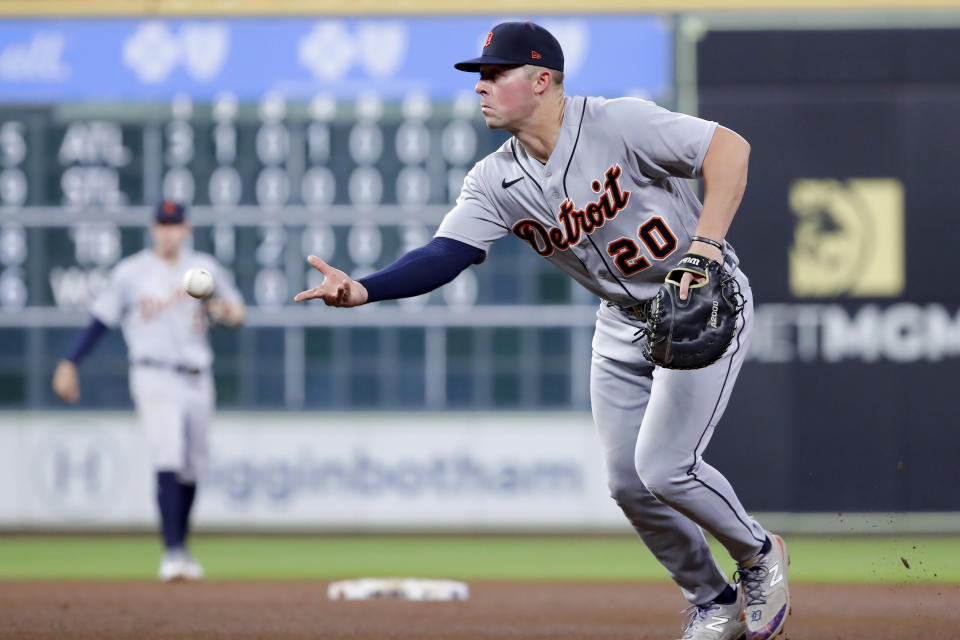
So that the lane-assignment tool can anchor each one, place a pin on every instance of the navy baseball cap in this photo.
(170, 212)
(518, 43)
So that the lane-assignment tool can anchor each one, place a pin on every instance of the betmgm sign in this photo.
(847, 274)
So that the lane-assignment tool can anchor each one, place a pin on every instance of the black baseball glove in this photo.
(696, 332)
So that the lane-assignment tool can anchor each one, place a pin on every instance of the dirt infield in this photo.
(624, 611)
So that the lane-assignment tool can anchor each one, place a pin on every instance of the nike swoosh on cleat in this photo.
(507, 185)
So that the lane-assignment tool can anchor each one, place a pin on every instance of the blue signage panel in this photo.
(153, 60)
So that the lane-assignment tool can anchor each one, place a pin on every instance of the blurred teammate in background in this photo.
(171, 383)
(598, 187)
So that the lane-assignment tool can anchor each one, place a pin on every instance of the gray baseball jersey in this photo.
(160, 321)
(611, 207)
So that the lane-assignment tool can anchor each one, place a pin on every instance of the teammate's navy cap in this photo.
(518, 43)
(170, 212)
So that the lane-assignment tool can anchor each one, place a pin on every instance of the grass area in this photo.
(814, 559)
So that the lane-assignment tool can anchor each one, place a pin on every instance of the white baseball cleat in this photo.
(713, 621)
(763, 581)
(192, 570)
(172, 567)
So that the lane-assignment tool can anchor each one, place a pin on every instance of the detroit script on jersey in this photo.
(574, 221)
(151, 305)
(611, 205)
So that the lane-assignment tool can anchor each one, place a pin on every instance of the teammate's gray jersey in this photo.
(610, 207)
(160, 321)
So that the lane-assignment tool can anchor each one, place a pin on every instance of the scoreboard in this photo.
(357, 184)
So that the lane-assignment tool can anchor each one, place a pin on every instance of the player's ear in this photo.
(542, 80)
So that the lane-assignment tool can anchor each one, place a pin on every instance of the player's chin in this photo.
(489, 116)
(493, 122)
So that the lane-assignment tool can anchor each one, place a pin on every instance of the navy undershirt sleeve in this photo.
(422, 270)
(86, 341)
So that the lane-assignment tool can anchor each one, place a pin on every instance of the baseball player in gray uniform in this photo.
(170, 358)
(598, 187)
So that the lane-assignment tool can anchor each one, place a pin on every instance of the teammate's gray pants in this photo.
(654, 425)
(176, 411)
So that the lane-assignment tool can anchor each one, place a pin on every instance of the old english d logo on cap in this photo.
(169, 212)
(516, 43)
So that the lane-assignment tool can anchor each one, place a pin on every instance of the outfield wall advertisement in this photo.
(318, 471)
(846, 231)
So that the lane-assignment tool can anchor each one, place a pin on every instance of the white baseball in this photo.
(198, 282)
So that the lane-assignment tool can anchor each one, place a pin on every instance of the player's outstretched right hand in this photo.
(337, 289)
(66, 383)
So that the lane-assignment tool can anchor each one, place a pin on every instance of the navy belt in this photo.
(170, 366)
(638, 311)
